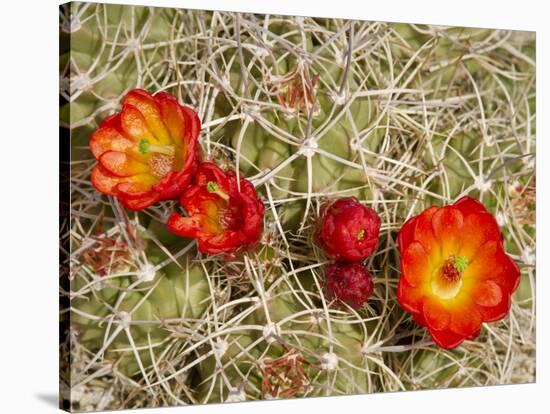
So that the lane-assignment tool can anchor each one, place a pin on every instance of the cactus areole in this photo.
(147, 152)
(455, 274)
(225, 215)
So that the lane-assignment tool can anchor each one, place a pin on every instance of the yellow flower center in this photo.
(447, 279)
(162, 157)
(161, 164)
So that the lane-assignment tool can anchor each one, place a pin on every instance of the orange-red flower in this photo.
(224, 215)
(147, 152)
(455, 274)
(348, 230)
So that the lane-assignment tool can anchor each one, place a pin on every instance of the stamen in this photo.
(461, 263)
(448, 281)
(145, 147)
(361, 234)
(212, 187)
(454, 267)
(161, 164)
(449, 271)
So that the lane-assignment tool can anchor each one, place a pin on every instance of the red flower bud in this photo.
(348, 230)
(349, 282)
(222, 217)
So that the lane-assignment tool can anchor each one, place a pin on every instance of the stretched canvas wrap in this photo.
(258, 206)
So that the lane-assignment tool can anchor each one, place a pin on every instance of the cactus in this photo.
(125, 317)
(437, 369)
(289, 324)
(400, 116)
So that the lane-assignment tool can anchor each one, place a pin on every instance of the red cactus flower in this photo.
(222, 217)
(455, 274)
(349, 282)
(348, 230)
(147, 152)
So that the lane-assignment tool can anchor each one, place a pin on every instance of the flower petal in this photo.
(423, 231)
(446, 338)
(145, 103)
(184, 226)
(465, 318)
(487, 293)
(108, 139)
(134, 125)
(112, 121)
(436, 315)
(173, 116)
(173, 184)
(410, 298)
(136, 204)
(468, 205)
(137, 186)
(193, 122)
(253, 218)
(222, 243)
(209, 171)
(478, 229)
(487, 263)
(474, 335)
(415, 267)
(121, 164)
(419, 318)
(447, 224)
(104, 181)
(406, 234)
(509, 278)
(496, 313)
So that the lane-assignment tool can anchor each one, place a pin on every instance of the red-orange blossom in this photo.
(147, 152)
(455, 274)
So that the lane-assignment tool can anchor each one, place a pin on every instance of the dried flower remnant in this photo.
(108, 254)
(523, 199)
(296, 90)
(284, 377)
